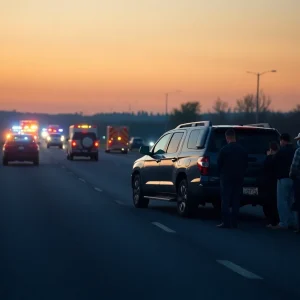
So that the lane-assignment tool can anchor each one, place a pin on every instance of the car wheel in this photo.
(139, 201)
(36, 162)
(186, 207)
(48, 146)
(125, 152)
(107, 151)
(96, 157)
(71, 157)
(5, 162)
(60, 147)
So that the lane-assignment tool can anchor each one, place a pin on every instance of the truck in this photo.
(117, 139)
(30, 127)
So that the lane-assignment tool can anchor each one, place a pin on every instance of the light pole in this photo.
(257, 89)
(166, 103)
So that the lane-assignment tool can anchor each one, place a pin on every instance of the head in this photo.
(230, 136)
(274, 147)
(285, 139)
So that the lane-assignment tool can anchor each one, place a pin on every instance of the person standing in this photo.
(269, 187)
(282, 163)
(295, 176)
(232, 165)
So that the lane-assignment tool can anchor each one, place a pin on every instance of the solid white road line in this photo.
(81, 179)
(237, 269)
(163, 227)
(97, 189)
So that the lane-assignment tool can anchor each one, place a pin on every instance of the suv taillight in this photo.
(73, 144)
(96, 144)
(203, 165)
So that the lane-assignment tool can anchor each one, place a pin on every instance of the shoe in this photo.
(222, 225)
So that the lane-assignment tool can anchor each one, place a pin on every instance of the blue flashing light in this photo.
(44, 129)
(25, 138)
(60, 130)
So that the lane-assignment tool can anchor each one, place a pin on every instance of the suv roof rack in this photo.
(261, 125)
(194, 124)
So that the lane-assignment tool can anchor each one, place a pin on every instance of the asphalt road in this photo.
(68, 231)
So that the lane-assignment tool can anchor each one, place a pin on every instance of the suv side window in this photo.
(162, 144)
(175, 142)
(193, 139)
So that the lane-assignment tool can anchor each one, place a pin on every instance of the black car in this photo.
(136, 143)
(20, 147)
(182, 165)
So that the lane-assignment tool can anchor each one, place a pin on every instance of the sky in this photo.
(120, 55)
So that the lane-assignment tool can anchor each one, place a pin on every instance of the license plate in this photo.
(21, 148)
(250, 191)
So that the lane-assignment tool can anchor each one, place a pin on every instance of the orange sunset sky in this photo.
(93, 55)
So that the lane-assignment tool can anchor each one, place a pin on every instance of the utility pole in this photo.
(257, 90)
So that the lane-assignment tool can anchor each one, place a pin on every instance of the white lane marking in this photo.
(97, 189)
(81, 179)
(119, 202)
(163, 227)
(237, 269)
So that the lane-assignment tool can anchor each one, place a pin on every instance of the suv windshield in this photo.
(82, 135)
(255, 141)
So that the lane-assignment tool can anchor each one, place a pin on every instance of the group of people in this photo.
(280, 182)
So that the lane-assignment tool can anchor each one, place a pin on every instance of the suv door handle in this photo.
(174, 159)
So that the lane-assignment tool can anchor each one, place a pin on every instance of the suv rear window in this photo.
(81, 135)
(255, 141)
(55, 135)
(21, 138)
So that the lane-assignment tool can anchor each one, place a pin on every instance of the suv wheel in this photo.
(4, 162)
(139, 201)
(186, 207)
(36, 162)
(96, 157)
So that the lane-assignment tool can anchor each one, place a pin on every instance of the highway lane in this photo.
(61, 239)
(267, 253)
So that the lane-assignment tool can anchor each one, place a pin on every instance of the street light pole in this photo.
(257, 99)
(257, 89)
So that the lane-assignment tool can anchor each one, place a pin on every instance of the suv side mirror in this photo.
(145, 150)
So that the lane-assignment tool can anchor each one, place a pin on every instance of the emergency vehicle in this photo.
(83, 141)
(54, 129)
(117, 139)
(30, 127)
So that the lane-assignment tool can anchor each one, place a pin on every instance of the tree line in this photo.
(244, 112)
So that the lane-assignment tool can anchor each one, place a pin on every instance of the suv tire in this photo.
(4, 162)
(139, 201)
(186, 207)
(36, 162)
(96, 157)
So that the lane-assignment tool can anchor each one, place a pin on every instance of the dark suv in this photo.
(182, 165)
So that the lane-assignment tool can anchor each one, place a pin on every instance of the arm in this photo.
(295, 167)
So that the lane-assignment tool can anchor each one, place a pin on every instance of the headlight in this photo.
(62, 138)
(48, 138)
(151, 144)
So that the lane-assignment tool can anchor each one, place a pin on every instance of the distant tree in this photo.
(248, 103)
(220, 106)
(296, 109)
(188, 112)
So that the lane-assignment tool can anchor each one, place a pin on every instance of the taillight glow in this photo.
(119, 138)
(96, 144)
(110, 141)
(73, 144)
(203, 165)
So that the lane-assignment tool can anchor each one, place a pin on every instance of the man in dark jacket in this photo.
(232, 164)
(269, 187)
(295, 176)
(282, 163)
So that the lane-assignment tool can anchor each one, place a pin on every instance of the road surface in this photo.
(68, 230)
